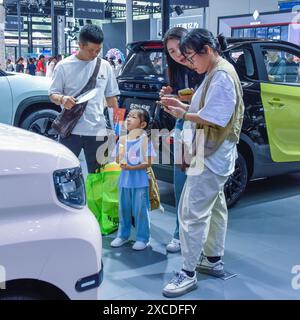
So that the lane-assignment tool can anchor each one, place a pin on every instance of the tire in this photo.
(14, 295)
(40, 122)
(237, 182)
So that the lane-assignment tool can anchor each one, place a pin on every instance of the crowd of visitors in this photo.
(43, 66)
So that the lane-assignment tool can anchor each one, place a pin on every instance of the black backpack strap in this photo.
(97, 68)
(93, 79)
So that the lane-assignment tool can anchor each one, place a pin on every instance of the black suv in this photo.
(270, 138)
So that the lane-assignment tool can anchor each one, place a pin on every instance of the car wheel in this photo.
(22, 296)
(237, 182)
(40, 122)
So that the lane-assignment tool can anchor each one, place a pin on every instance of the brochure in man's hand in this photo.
(86, 96)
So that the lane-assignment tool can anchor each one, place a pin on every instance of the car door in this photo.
(280, 92)
(6, 99)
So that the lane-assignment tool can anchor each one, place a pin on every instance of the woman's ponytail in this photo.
(222, 42)
(196, 39)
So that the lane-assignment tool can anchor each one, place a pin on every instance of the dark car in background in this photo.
(270, 138)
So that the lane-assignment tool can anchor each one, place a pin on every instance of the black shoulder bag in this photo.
(67, 119)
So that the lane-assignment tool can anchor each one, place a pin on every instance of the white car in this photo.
(50, 243)
(25, 103)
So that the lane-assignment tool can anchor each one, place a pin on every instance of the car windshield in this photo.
(145, 63)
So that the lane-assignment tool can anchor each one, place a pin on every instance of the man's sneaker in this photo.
(118, 242)
(180, 285)
(139, 245)
(215, 269)
(173, 246)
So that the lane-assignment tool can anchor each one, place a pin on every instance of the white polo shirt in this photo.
(69, 78)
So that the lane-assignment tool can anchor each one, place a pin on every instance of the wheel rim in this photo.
(235, 185)
(42, 126)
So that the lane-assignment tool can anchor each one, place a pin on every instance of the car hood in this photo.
(36, 83)
(25, 152)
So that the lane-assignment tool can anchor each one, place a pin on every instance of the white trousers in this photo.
(202, 212)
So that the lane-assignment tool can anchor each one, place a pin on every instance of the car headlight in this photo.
(69, 187)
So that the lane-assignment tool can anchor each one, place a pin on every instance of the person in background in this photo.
(50, 66)
(59, 58)
(291, 68)
(118, 67)
(9, 66)
(275, 66)
(20, 65)
(31, 67)
(157, 63)
(40, 66)
(180, 77)
(112, 63)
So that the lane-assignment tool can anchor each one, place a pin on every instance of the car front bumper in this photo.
(90, 282)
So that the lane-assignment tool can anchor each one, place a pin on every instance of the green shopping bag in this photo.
(103, 197)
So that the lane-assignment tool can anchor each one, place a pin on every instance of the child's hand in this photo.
(125, 166)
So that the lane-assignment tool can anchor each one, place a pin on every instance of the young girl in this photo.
(134, 153)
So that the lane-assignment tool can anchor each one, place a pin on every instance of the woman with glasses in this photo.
(180, 77)
(215, 117)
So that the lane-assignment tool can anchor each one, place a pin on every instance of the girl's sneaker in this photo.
(173, 246)
(139, 245)
(118, 242)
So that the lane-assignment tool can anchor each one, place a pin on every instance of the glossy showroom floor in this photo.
(262, 244)
(262, 247)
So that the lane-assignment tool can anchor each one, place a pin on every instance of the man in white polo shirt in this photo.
(69, 78)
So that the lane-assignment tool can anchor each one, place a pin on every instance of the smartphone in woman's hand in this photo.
(185, 92)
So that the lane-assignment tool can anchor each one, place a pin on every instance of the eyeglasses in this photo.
(190, 58)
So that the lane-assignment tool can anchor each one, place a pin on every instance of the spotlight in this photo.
(178, 10)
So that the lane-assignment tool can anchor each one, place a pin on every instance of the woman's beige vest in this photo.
(215, 135)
